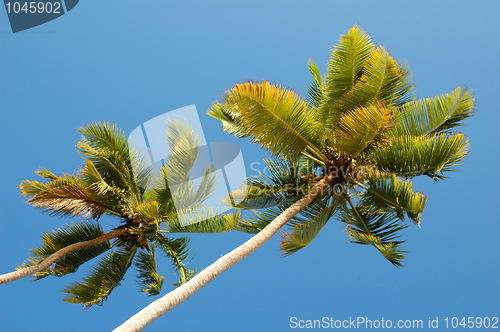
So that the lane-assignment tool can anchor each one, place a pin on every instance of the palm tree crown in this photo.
(141, 202)
(362, 125)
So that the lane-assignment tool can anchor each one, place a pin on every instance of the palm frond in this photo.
(437, 114)
(383, 80)
(260, 195)
(106, 193)
(61, 238)
(263, 110)
(184, 145)
(203, 221)
(359, 128)
(396, 194)
(256, 221)
(315, 89)
(347, 61)
(279, 183)
(303, 232)
(230, 120)
(65, 195)
(107, 147)
(367, 225)
(101, 280)
(151, 281)
(409, 156)
(176, 250)
(390, 250)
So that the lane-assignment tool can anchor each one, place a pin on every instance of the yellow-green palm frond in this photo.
(61, 238)
(230, 121)
(101, 280)
(437, 114)
(347, 61)
(382, 80)
(409, 156)
(203, 220)
(359, 128)
(275, 117)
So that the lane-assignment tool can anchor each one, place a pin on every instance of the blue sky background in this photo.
(129, 61)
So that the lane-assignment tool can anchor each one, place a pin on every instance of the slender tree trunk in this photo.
(169, 301)
(19, 274)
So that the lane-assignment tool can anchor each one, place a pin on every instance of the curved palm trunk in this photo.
(169, 301)
(19, 274)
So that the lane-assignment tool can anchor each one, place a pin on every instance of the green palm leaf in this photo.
(347, 61)
(61, 238)
(396, 194)
(263, 109)
(379, 229)
(107, 147)
(230, 120)
(176, 250)
(285, 184)
(304, 231)
(202, 221)
(315, 89)
(258, 220)
(430, 115)
(151, 281)
(382, 80)
(184, 145)
(409, 156)
(102, 279)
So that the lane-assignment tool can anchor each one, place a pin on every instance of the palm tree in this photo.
(348, 152)
(109, 185)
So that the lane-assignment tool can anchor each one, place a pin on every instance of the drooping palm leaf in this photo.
(367, 225)
(151, 281)
(304, 231)
(101, 280)
(394, 193)
(177, 251)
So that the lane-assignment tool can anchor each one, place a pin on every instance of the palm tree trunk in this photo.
(19, 274)
(169, 301)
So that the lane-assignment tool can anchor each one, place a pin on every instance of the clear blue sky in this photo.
(128, 61)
